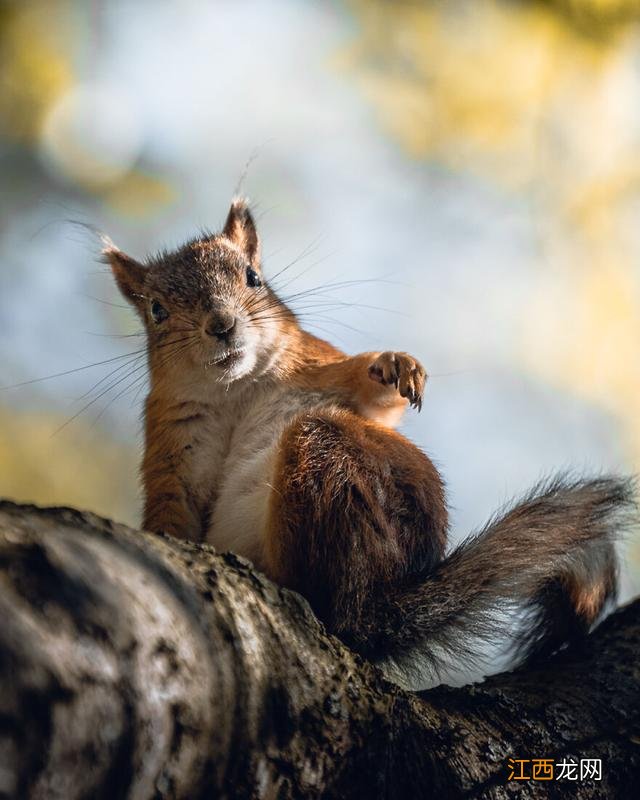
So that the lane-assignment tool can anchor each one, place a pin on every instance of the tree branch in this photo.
(139, 666)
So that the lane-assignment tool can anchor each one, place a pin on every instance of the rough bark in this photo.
(138, 666)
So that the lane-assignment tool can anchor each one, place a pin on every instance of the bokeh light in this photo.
(91, 136)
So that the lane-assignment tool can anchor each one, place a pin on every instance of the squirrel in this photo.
(263, 439)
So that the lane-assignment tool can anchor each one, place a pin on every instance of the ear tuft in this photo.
(240, 228)
(129, 274)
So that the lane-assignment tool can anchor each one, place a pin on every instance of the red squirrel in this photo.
(263, 439)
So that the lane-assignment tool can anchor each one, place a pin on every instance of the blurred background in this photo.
(457, 179)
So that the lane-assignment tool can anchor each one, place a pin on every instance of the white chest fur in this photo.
(234, 461)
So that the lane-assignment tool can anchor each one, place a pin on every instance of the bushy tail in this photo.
(551, 555)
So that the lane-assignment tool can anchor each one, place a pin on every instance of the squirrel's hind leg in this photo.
(355, 508)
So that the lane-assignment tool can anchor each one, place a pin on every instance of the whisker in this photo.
(95, 399)
(109, 375)
(135, 369)
(326, 332)
(310, 318)
(171, 356)
(315, 290)
(104, 302)
(138, 380)
(322, 292)
(279, 287)
(324, 305)
(71, 371)
(115, 335)
(310, 248)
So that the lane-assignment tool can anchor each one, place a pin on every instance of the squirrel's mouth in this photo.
(226, 359)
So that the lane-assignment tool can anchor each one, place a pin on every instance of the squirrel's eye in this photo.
(158, 312)
(253, 279)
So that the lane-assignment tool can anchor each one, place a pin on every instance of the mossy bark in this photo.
(138, 666)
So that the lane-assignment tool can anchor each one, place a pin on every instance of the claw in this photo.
(403, 372)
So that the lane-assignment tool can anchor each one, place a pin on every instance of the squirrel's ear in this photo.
(240, 228)
(129, 274)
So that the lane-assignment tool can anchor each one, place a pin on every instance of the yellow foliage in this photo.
(34, 69)
(138, 195)
(515, 94)
(79, 466)
(470, 86)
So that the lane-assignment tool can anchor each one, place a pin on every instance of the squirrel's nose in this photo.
(221, 324)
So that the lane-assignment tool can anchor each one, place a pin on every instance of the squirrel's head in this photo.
(206, 304)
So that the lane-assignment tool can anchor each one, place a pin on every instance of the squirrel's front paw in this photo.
(402, 371)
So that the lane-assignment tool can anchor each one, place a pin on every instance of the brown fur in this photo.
(264, 438)
(375, 385)
(355, 509)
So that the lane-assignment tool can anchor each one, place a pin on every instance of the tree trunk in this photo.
(138, 666)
